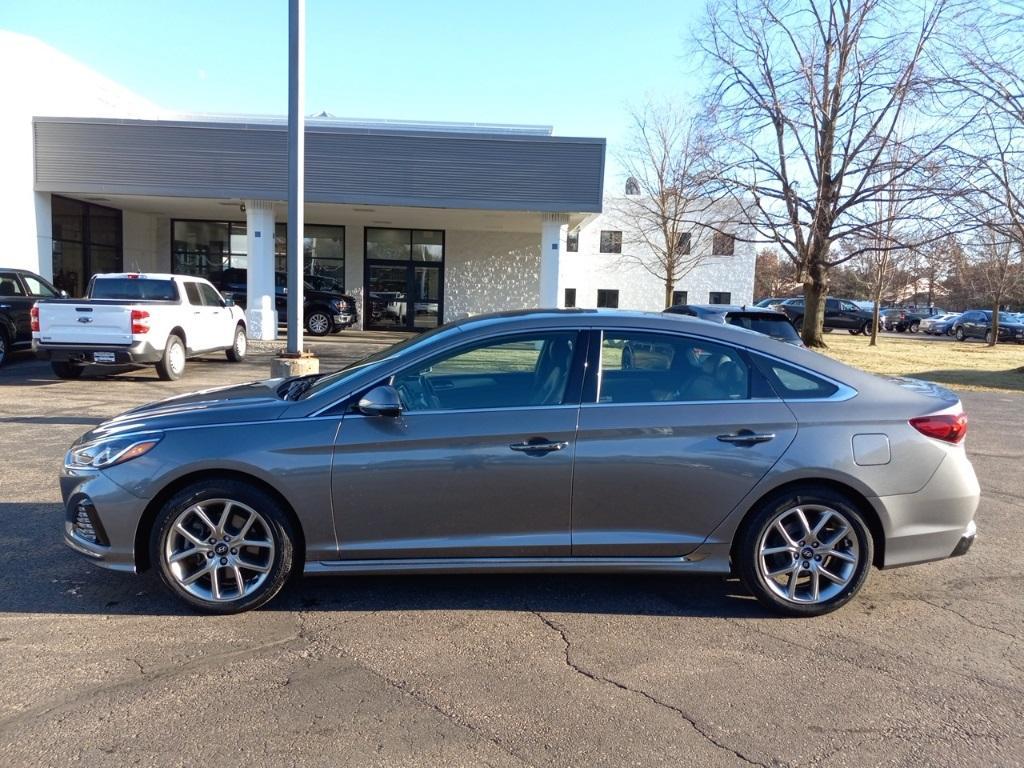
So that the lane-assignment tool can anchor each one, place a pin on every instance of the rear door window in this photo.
(194, 297)
(9, 285)
(639, 367)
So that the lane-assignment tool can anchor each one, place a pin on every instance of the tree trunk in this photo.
(815, 293)
(995, 321)
(875, 311)
(670, 287)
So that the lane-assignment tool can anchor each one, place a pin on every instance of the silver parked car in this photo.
(526, 442)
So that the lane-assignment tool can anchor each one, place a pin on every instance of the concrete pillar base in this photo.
(261, 324)
(282, 367)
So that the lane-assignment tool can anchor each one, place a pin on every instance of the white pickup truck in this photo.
(137, 319)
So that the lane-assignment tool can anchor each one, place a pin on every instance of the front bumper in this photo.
(116, 515)
(139, 353)
(344, 320)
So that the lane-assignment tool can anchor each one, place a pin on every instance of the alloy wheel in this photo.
(808, 554)
(319, 324)
(219, 550)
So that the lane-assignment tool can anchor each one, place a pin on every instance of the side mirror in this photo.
(228, 301)
(381, 401)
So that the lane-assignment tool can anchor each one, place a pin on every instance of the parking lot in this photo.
(926, 666)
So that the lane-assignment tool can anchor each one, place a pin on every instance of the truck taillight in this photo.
(948, 427)
(140, 321)
(34, 314)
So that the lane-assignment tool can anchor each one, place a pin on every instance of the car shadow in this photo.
(40, 574)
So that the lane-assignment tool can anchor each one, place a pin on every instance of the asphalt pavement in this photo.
(925, 667)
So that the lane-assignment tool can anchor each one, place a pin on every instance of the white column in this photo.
(260, 312)
(554, 227)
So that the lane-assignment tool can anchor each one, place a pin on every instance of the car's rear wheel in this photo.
(223, 546)
(4, 346)
(236, 352)
(804, 552)
(318, 323)
(959, 334)
(64, 370)
(172, 365)
(915, 326)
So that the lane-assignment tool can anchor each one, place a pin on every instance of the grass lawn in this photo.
(959, 365)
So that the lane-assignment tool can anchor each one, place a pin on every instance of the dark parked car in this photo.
(839, 314)
(940, 325)
(908, 318)
(326, 308)
(766, 321)
(977, 324)
(19, 290)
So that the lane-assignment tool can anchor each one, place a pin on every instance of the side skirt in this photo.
(521, 565)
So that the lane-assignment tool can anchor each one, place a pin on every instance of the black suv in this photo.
(766, 321)
(19, 290)
(325, 307)
(839, 314)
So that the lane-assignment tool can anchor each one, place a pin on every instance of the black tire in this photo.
(760, 525)
(171, 366)
(236, 352)
(866, 329)
(319, 323)
(959, 334)
(5, 346)
(64, 370)
(279, 528)
(915, 326)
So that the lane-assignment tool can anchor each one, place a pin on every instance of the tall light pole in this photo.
(296, 169)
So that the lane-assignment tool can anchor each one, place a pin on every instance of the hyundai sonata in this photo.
(548, 441)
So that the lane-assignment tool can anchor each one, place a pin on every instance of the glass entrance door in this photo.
(403, 297)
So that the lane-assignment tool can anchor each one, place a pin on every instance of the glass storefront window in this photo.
(389, 244)
(427, 245)
(86, 241)
(200, 247)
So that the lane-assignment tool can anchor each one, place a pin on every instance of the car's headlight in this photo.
(110, 451)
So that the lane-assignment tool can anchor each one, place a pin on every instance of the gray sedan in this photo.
(535, 441)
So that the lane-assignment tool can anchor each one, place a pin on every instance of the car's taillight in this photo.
(949, 427)
(34, 314)
(140, 321)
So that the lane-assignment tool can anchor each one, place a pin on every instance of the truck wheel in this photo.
(172, 364)
(318, 323)
(3, 346)
(236, 352)
(915, 326)
(66, 370)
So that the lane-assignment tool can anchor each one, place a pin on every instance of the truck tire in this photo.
(64, 370)
(4, 346)
(172, 365)
(319, 323)
(236, 352)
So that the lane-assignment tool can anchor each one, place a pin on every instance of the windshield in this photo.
(395, 350)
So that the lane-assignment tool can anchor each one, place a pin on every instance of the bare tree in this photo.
(773, 275)
(810, 97)
(665, 218)
(993, 270)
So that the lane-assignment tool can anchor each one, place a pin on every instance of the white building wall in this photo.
(589, 270)
(140, 242)
(40, 80)
(490, 271)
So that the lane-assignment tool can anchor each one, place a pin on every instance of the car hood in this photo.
(255, 401)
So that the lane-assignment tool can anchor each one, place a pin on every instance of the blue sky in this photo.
(572, 64)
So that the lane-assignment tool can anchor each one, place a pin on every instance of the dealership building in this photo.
(421, 223)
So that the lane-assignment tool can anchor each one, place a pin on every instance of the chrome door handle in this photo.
(538, 447)
(746, 437)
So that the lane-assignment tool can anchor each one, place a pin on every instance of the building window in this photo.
(683, 244)
(719, 297)
(678, 297)
(205, 248)
(570, 298)
(86, 241)
(611, 241)
(632, 186)
(572, 242)
(607, 298)
(723, 244)
(403, 277)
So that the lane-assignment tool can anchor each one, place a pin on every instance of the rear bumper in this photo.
(934, 523)
(141, 352)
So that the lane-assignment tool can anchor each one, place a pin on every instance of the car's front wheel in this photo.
(804, 552)
(223, 546)
(318, 323)
(915, 326)
(236, 352)
(959, 334)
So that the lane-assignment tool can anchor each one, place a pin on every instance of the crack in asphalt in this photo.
(404, 688)
(971, 621)
(643, 694)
